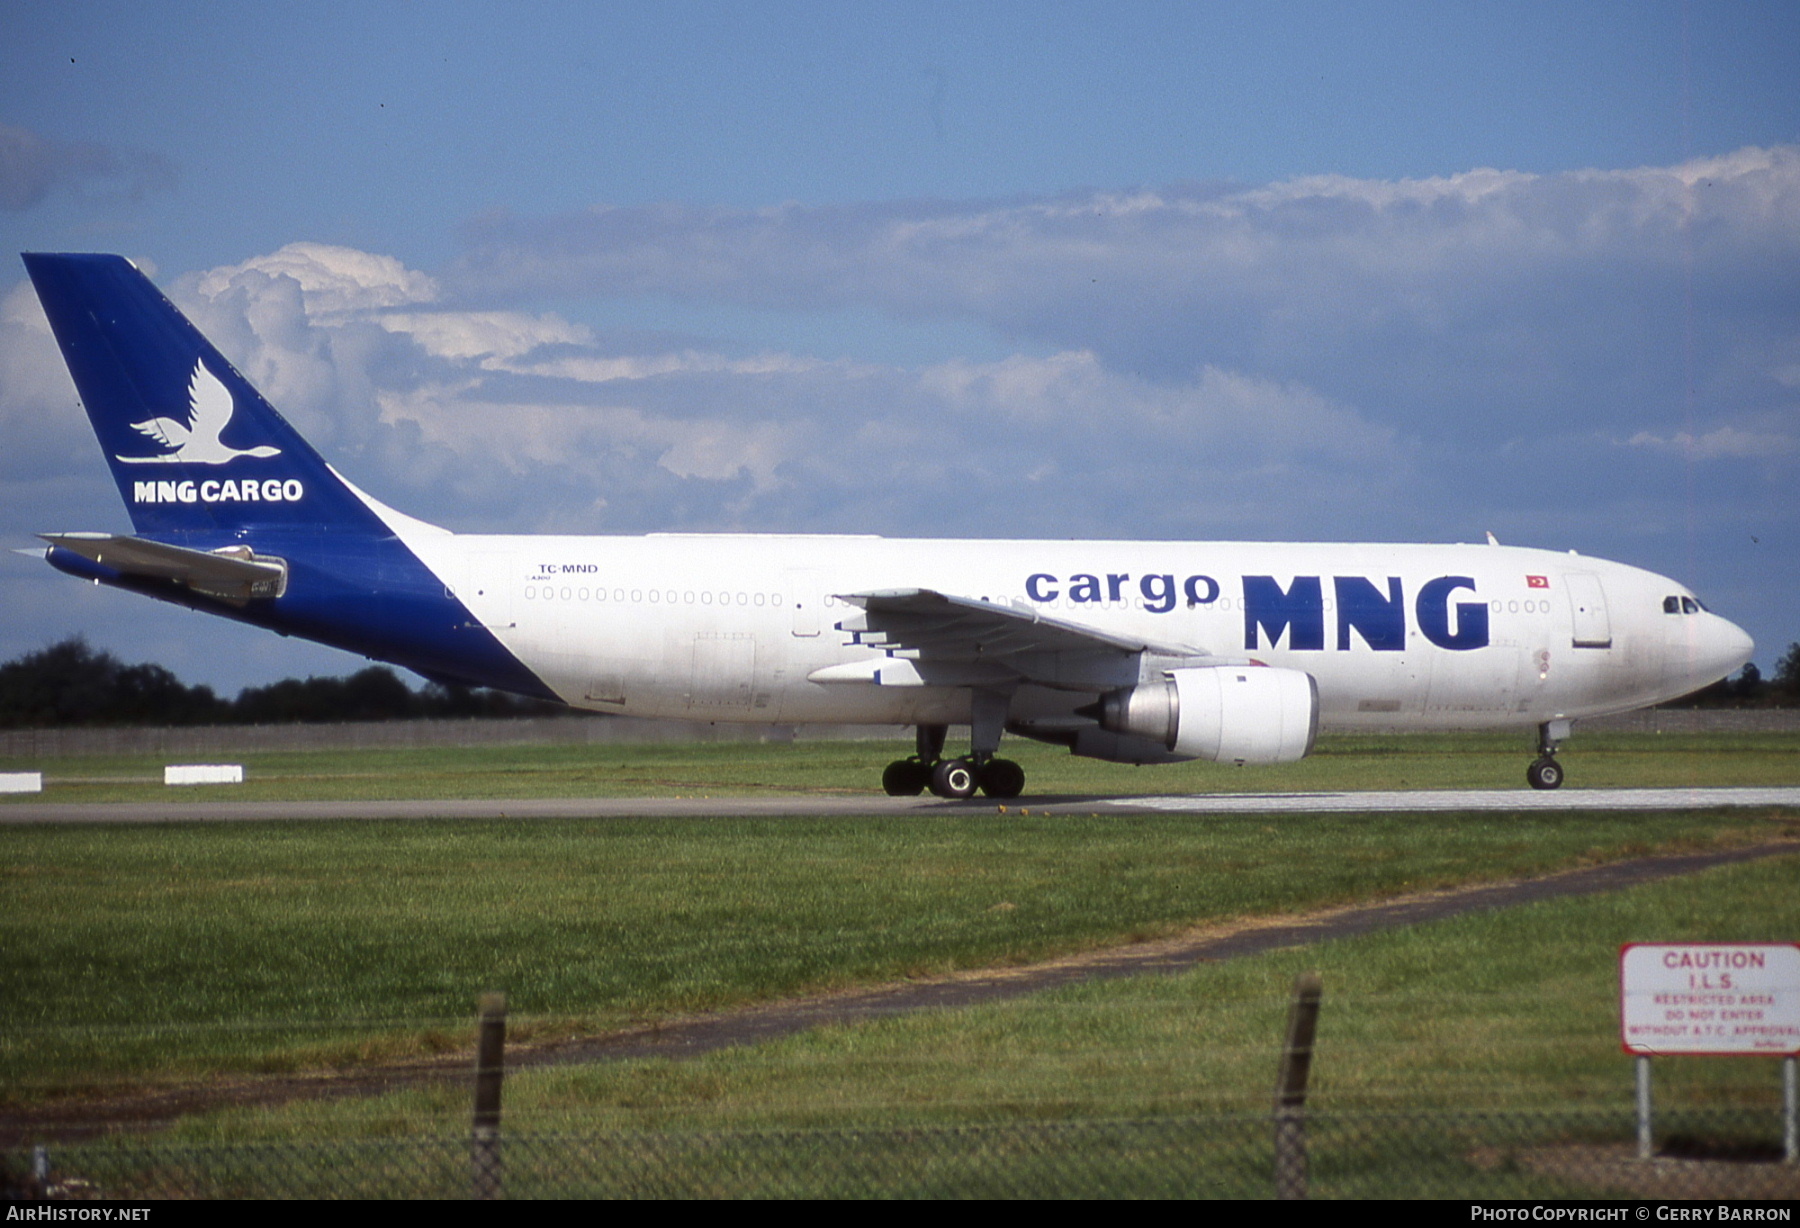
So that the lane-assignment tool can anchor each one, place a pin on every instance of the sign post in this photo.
(1711, 998)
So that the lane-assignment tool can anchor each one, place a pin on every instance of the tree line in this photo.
(1750, 689)
(71, 683)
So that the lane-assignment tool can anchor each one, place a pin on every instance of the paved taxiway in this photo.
(215, 808)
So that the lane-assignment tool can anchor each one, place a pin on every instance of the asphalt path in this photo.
(212, 806)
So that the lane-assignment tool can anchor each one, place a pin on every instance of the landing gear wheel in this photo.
(954, 779)
(905, 778)
(1002, 778)
(1544, 773)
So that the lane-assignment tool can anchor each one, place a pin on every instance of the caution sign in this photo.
(1709, 997)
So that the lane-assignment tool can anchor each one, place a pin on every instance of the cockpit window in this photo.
(1689, 606)
(1671, 605)
(1678, 604)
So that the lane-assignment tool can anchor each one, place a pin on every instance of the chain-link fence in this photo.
(1719, 1154)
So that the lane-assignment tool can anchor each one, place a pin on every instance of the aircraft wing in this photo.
(945, 640)
(234, 574)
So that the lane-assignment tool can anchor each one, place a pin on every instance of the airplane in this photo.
(1136, 652)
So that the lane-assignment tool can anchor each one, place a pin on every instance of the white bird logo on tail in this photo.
(210, 407)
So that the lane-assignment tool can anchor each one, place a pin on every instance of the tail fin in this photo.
(192, 446)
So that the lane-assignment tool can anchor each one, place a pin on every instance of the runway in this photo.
(1469, 799)
(214, 808)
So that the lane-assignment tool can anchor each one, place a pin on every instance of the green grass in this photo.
(1412, 761)
(1509, 1013)
(146, 953)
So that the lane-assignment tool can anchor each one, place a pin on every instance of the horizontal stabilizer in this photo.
(232, 574)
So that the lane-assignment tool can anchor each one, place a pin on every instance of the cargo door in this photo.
(724, 672)
(1587, 609)
(488, 583)
(804, 591)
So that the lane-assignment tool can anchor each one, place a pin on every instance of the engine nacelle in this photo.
(1226, 713)
(1092, 743)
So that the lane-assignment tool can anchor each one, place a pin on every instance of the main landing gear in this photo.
(1545, 772)
(957, 779)
(954, 779)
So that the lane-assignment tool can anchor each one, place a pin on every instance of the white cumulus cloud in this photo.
(331, 278)
(493, 336)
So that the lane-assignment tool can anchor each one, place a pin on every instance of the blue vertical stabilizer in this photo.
(234, 512)
(192, 446)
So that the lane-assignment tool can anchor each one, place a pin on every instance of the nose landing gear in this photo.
(1545, 772)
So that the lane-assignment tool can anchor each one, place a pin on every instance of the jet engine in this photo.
(1226, 713)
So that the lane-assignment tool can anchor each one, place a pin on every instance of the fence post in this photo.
(490, 1069)
(1790, 1110)
(1290, 1087)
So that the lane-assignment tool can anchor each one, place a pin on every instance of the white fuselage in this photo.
(736, 628)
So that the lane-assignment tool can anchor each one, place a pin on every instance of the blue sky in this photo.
(1385, 271)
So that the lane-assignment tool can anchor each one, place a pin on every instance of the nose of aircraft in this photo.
(1717, 648)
